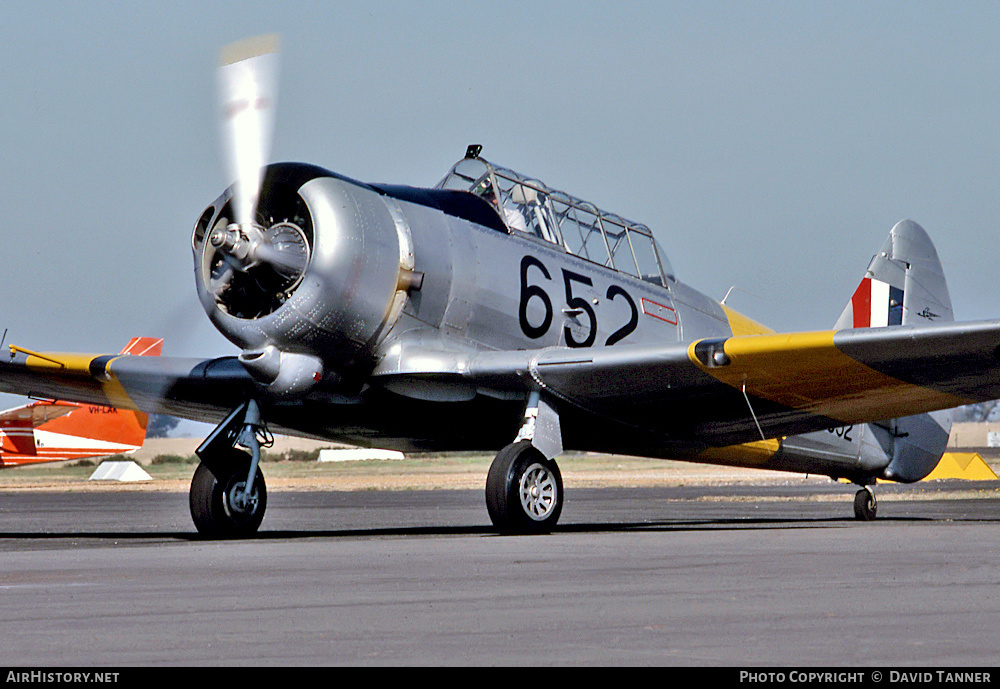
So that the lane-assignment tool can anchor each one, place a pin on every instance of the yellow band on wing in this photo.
(115, 391)
(79, 365)
(806, 371)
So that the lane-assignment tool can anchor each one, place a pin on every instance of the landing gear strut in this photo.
(228, 496)
(865, 505)
(524, 492)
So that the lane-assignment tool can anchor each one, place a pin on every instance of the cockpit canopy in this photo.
(581, 228)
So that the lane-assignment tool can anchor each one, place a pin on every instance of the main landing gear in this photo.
(524, 490)
(228, 496)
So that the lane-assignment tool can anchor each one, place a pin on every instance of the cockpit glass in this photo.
(621, 252)
(528, 206)
(581, 230)
(645, 256)
(466, 175)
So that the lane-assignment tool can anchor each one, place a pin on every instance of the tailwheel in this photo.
(524, 492)
(220, 504)
(865, 505)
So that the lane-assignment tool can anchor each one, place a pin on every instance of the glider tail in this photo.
(904, 285)
(144, 346)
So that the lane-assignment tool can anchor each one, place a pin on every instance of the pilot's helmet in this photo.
(485, 190)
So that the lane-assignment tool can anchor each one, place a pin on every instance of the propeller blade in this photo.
(286, 263)
(248, 84)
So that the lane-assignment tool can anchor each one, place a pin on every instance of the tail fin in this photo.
(54, 431)
(904, 284)
(144, 346)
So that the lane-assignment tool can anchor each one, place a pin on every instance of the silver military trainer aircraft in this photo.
(495, 312)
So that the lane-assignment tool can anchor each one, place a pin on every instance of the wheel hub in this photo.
(239, 501)
(539, 495)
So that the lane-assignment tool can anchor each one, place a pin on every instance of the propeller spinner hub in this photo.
(282, 247)
(249, 271)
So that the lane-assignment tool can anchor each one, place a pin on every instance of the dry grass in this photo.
(455, 471)
(171, 464)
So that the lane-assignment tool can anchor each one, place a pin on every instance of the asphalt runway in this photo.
(681, 576)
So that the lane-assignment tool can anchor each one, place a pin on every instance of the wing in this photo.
(201, 389)
(738, 389)
(714, 392)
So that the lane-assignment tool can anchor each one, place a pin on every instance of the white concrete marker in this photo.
(120, 471)
(357, 455)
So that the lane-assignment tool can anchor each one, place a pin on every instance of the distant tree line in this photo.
(984, 411)
(160, 426)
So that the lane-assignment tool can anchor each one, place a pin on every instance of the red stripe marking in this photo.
(861, 303)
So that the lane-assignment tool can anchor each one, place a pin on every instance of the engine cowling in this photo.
(313, 285)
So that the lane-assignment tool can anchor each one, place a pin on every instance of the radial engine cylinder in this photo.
(313, 285)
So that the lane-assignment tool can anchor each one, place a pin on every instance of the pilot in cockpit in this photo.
(513, 217)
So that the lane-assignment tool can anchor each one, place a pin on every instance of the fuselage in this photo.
(487, 284)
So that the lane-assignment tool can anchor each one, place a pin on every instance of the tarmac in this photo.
(726, 572)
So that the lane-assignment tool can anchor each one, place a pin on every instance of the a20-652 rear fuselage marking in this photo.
(575, 304)
(842, 432)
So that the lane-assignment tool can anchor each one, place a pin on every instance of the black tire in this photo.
(524, 492)
(865, 506)
(212, 488)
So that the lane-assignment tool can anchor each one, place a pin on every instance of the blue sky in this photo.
(770, 146)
